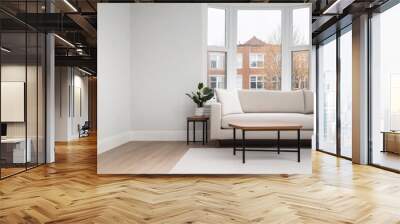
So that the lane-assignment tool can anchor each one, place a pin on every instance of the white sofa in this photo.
(264, 106)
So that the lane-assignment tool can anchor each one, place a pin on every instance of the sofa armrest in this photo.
(215, 120)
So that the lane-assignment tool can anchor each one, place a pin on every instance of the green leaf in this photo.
(200, 86)
(207, 91)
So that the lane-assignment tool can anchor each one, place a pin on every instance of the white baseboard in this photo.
(113, 142)
(158, 135)
(176, 135)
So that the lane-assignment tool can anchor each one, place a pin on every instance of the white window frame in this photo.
(221, 49)
(294, 48)
(257, 56)
(218, 82)
(286, 41)
(262, 81)
(239, 65)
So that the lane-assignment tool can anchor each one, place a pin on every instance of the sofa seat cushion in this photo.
(307, 120)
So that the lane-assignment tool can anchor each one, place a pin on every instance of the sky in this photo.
(264, 24)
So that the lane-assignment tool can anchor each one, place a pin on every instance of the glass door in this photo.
(327, 96)
(385, 90)
(14, 153)
(22, 98)
(346, 93)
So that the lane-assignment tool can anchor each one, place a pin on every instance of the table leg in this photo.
(298, 145)
(206, 131)
(243, 146)
(187, 132)
(194, 131)
(384, 142)
(279, 141)
(203, 132)
(234, 141)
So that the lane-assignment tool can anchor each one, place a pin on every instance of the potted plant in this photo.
(201, 96)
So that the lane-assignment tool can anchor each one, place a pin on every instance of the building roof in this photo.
(254, 41)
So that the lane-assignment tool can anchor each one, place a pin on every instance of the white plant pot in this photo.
(199, 111)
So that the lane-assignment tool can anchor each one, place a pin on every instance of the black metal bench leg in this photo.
(206, 131)
(203, 132)
(298, 145)
(244, 146)
(187, 132)
(194, 131)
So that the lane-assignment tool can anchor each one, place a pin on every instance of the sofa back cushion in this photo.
(229, 100)
(266, 101)
(308, 101)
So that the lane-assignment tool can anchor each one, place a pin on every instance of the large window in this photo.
(22, 106)
(300, 69)
(271, 42)
(216, 69)
(301, 26)
(346, 93)
(327, 96)
(385, 89)
(259, 41)
(335, 107)
(217, 50)
(216, 27)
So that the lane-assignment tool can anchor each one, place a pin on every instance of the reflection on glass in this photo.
(346, 94)
(31, 100)
(15, 151)
(300, 70)
(301, 26)
(216, 27)
(385, 89)
(41, 98)
(327, 97)
(22, 92)
(259, 44)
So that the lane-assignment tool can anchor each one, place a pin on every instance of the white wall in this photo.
(166, 62)
(145, 67)
(81, 114)
(114, 76)
(66, 121)
(61, 117)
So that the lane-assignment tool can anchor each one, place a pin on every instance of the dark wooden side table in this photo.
(194, 119)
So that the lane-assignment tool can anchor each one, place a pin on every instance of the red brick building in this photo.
(258, 66)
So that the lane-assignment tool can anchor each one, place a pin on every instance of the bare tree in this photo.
(300, 60)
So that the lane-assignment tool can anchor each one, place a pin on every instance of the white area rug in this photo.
(222, 161)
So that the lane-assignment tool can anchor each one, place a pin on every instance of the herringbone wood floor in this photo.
(70, 191)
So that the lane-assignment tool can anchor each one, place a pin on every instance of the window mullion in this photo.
(286, 55)
(231, 47)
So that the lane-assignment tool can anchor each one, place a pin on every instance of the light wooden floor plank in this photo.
(70, 191)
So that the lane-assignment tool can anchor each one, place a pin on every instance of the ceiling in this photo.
(76, 22)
